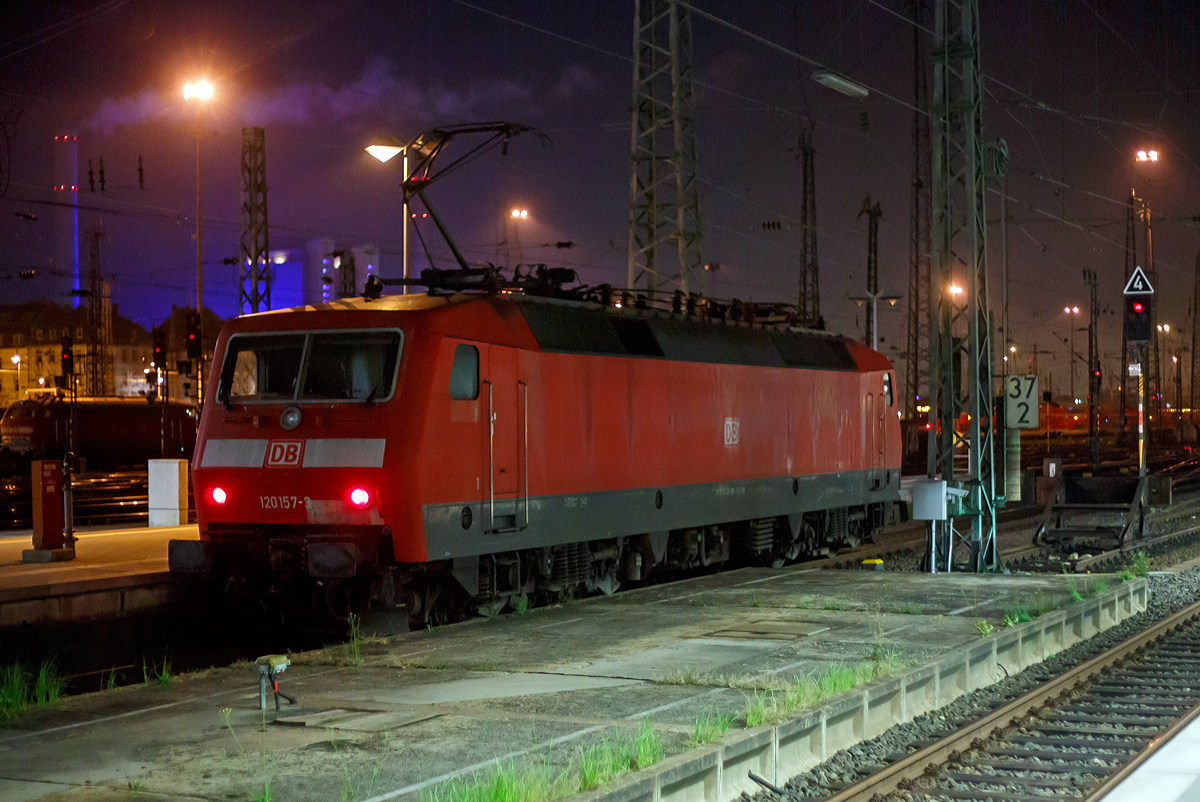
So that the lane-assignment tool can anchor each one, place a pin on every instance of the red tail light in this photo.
(219, 495)
(360, 497)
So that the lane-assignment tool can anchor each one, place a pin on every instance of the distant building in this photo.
(31, 338)
(287, 278)
(332, 272)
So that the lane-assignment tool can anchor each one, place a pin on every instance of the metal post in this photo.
(199, 245)
(404, 194)
(1141, 411)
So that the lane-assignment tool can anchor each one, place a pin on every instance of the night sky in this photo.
(1074, 87)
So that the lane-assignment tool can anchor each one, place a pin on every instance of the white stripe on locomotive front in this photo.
(340, 452)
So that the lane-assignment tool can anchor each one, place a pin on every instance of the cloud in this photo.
(377, 93)
(574, 82)
(122, 112)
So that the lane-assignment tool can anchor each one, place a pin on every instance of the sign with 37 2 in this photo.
(1021, 401)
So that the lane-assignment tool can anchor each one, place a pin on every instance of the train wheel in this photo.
(433, 601)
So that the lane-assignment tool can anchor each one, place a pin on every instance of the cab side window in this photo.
(464, 374)
(887, 389)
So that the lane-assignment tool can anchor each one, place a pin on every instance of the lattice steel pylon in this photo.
(255, 287)
(664, 205)
(917, 379)
(810, 271)
(961, 331)
(1195, 339)
(873, 214)
(1130, 264)
(99, 316)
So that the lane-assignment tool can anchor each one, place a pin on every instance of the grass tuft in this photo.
(710, 726)
(265, 794)
(356, 640)
(594, 767)
(20, 688)
(983, 627)
(1139, 565)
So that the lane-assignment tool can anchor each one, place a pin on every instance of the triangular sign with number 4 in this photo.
(1138, 284)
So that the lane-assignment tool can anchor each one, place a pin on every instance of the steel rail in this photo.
(1147, 752)
(916, 764)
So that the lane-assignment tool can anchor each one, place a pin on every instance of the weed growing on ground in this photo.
(519, 603)
(837, 605)
(911, 608)
(20, 688)
(110, 680)
(593, 767)
(14, 690)
(772, 708)
(703, 600)
(49, 685)
(226, 712)
(749, 682)
(1101, 586)
(710, 726)
(1139, 565)
(153, 674)
(265, 794)
(135, 785)
(356, 639)
(983, 627)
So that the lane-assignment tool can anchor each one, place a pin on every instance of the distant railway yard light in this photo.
(1147, 155)
(520, 214)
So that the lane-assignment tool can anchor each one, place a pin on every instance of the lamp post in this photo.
(875, 298)
(1072, 310)
(517, 215)
(384, 151)
(16, 360)
(200, 91)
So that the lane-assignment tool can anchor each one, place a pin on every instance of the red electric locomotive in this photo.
(454, 451)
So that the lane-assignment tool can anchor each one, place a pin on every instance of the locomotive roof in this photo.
(568, 326)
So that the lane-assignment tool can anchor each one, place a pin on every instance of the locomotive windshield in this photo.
(355, 365)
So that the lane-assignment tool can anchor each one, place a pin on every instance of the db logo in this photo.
(731, 431)
(285, 452)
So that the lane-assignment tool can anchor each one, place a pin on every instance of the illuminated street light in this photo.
(1072, 310)
(16, 360)
(955, 289)
(200, 90)
(1147, 155)
(520, 214)
(384, 150)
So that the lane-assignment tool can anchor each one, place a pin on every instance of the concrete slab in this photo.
(534, 689)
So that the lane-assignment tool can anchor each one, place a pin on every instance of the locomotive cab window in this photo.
(887, 389)
(320, 366)
(350, 366)
(464, 374)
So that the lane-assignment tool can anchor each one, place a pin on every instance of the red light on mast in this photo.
(360, 497)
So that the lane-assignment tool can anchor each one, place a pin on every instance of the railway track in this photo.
(1073, 737)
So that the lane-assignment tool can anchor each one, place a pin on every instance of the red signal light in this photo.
(360, 497)
(219, 496)
(1137, 307)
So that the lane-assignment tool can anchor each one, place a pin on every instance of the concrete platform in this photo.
(115, 571)
(533, 689)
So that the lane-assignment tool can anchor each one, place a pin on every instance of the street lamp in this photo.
(200, 91)
(517, 215)
(1072, 310)
(384, 150)
(16, 360)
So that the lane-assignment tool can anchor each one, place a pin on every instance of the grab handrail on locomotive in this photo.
(430, 455)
